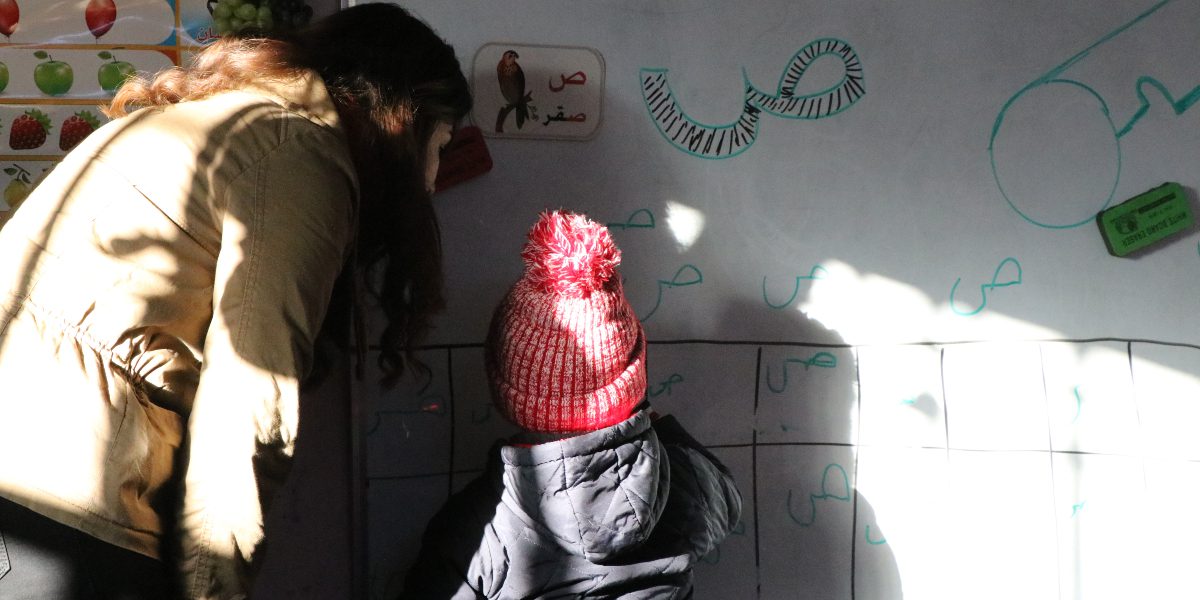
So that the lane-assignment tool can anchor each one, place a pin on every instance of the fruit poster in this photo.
(61, 61)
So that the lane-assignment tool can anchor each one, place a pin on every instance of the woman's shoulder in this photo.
(222, 135)
(302, 99)
(253, 114)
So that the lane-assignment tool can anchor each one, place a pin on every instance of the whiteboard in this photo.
(881, 297)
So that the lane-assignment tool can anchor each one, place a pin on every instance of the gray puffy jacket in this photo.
(622, 512)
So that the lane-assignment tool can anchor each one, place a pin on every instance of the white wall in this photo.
(1002, 409)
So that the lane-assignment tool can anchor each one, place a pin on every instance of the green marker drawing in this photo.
(817, 272)
(839, 475)
(1054, 77)
(985, 288)
(879, 542)
(823, 360)
(633, 221)
(1075, 508)
(1180, 106)
(665, 386)
(697, 278)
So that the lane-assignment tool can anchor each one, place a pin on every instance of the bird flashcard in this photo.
(538, 92)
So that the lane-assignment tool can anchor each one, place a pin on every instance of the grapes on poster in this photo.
(258, 16)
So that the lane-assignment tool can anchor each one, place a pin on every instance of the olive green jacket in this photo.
(160, 292)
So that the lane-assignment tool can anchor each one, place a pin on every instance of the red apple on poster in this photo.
(10, 13)
(100, 16)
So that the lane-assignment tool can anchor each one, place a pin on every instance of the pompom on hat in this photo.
(565, 353)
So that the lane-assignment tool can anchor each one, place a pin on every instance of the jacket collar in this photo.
(305, 95)
(580, 445)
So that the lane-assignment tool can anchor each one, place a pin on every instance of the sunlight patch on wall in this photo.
(685, 223)
(866, 308)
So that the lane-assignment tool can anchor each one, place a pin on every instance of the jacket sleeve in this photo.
(286, 231)
(704, 501)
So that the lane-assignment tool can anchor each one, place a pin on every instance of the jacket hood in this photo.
(598, 494)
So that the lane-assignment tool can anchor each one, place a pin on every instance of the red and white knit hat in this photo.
(565, 353)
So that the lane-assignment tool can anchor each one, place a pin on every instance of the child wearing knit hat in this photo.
(599, 497)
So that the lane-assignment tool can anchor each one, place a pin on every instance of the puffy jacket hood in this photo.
(598, 494)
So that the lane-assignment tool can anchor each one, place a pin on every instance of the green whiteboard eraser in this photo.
(1145, 219)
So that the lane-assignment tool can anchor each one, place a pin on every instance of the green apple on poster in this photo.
(53, 77)
(114, 72)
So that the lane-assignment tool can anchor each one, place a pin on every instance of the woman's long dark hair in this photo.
(393, 81)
